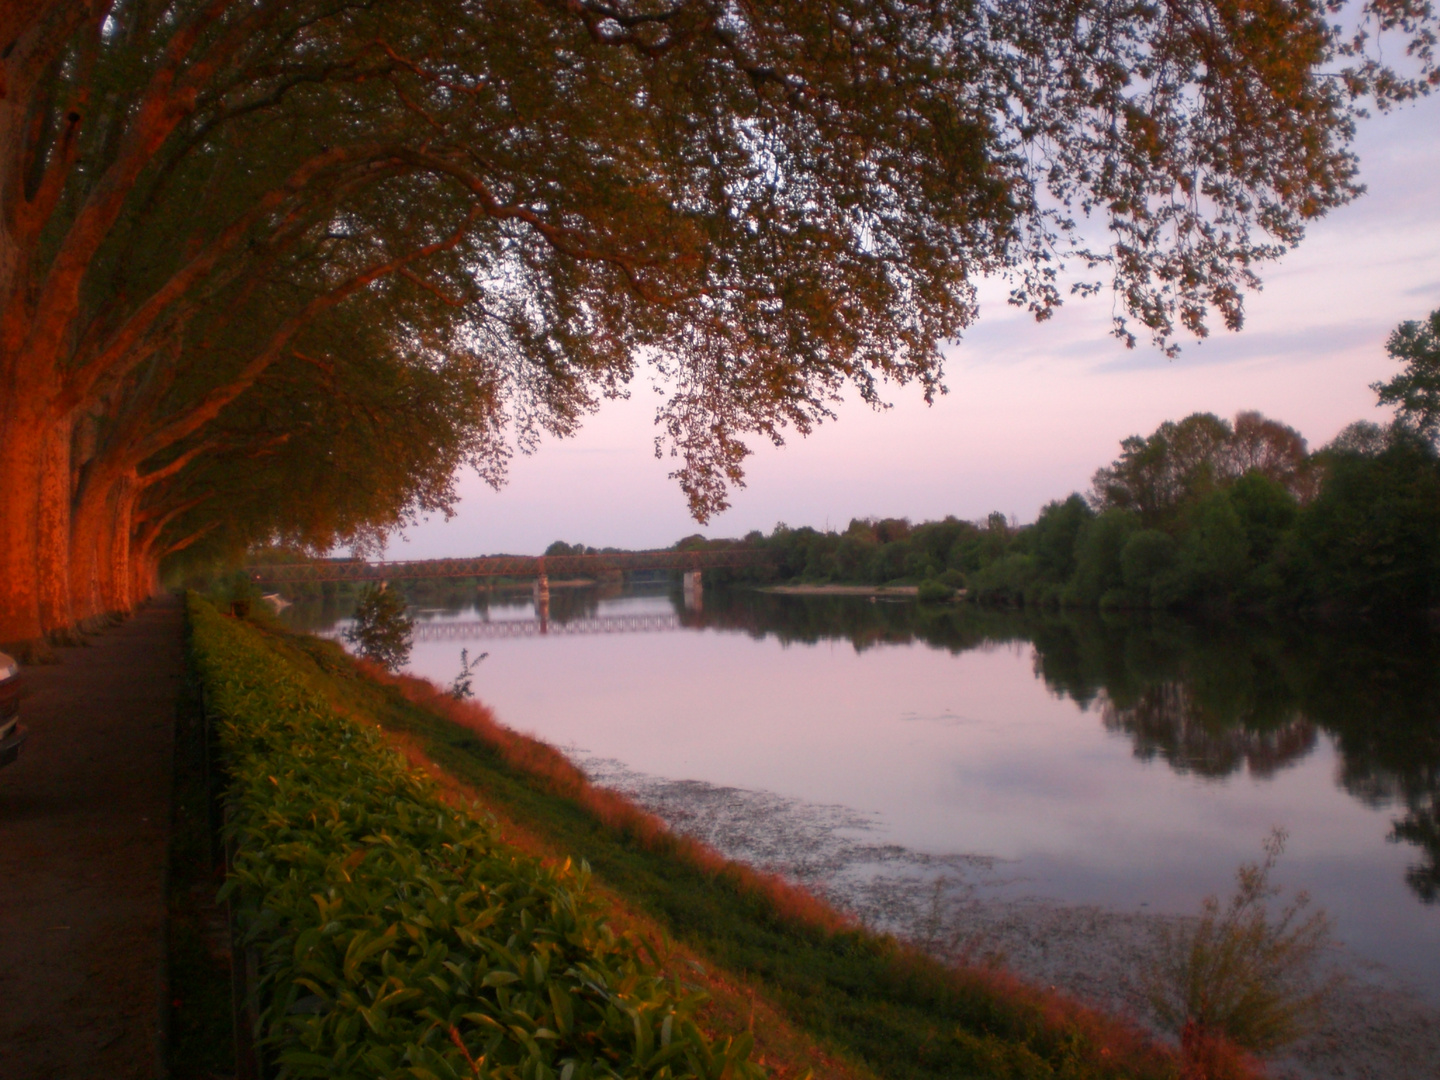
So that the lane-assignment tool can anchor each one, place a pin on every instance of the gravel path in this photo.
(84, 826)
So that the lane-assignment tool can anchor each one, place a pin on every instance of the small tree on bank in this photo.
(382, 629)
(461, 688)
(1239, 972)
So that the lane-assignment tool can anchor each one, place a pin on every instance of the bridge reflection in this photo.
(486, 630)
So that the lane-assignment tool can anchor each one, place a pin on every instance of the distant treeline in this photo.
(1201, 513)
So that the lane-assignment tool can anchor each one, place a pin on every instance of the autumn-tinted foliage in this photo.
(223, 223)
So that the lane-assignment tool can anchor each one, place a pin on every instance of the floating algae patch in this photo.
(836, 851)
(954, 906)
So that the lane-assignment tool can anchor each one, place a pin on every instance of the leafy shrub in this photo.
(462, 687)
(933, 591)
(1239, 974)
(382, 629)
(1097, 554)
(399, 937)
(1147, 566)
(1005, 581)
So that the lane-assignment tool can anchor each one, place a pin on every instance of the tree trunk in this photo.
(89, 544)
(22, 447)
(34, 512)
(52, 569)
(144, 574)
(118, 581)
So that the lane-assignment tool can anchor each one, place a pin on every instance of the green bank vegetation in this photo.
(1367, 538)
(397, 935)
(882, 1009)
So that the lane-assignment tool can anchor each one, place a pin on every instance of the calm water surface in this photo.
(1122, 762)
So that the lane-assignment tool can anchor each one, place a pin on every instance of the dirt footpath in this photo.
(84, 826)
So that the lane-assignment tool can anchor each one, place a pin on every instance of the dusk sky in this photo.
(1033, 409)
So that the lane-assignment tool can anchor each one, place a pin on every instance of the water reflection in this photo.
(1171, 721)
(1212, 701)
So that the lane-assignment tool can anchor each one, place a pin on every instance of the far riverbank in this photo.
(908, 591)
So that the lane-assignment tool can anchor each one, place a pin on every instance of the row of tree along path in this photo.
(277, 270)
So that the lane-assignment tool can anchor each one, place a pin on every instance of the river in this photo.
(904, 758)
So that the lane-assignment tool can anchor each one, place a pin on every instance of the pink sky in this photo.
(1033, 410)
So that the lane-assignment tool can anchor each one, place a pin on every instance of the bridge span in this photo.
(539, 567)
(522, 566)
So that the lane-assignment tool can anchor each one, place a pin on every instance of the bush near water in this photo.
(399, 937)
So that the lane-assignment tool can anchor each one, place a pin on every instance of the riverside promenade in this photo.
(84, 830)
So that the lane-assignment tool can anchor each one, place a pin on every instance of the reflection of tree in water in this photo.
(863, 623)
(1169, 722)
(1380, 697)
(1208, 698)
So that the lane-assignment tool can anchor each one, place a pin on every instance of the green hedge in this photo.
(400, 938)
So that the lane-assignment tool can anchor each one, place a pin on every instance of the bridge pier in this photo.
(693, 590)
(542, 601)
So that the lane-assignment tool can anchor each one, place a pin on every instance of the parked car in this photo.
(12, 732)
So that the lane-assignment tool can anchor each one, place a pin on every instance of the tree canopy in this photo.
(223, 219)
(1157, 475)
(1416, 390)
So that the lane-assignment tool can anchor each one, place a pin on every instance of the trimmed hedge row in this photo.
(398, 937)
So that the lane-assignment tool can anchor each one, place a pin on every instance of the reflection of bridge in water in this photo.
(485, 630)
(539, 567)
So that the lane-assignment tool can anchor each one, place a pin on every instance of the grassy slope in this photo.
(865, 1000)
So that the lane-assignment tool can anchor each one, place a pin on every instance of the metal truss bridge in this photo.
(520, 566)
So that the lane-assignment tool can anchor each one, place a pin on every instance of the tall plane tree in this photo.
(766, 203)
